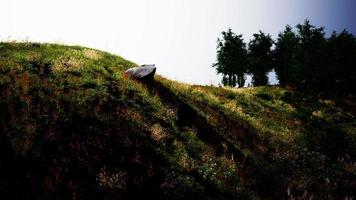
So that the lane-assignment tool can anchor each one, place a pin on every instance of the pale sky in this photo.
(179, 36)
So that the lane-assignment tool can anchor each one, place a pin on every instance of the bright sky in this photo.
(179, 36)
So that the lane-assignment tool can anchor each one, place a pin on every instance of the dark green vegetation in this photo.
(232, 59)
(73, 126)
(304, 59)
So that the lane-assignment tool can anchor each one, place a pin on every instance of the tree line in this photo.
(302, 57)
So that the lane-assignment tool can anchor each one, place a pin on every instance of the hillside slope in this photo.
(74, 126)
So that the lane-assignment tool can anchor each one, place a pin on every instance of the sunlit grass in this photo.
(256, 129)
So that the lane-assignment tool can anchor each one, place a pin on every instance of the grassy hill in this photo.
(74, 126)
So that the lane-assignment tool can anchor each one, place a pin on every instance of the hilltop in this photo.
(74, 126)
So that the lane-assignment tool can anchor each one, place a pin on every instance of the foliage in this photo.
(303, 58)
(231, 59)
(260, 55)
(285, 54)
(311, 62)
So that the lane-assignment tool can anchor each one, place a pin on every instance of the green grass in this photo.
(73, 125)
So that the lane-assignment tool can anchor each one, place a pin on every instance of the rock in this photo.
(145, 72)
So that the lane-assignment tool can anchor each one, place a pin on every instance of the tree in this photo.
(311, 58)
(304, 59)
(260, 57)
(231, 59)
(341, 62)
(285, 54)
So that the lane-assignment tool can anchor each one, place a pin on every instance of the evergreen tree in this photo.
(311, 59)
(285, 54)
(260, 57)
(341, 62)
(304, 59)
(231, 59)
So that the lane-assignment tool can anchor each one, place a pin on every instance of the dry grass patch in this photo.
(65, 64)
(157, 133)
(91, 54)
